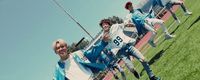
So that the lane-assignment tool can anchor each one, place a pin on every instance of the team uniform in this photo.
(80, 65)
(140, 30)
(168, 4)
(73, 69)
(118, 38)
(124, 45)
(143, 20)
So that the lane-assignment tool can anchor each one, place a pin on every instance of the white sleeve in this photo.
(127, 19)
(121, 25)
(117, 26)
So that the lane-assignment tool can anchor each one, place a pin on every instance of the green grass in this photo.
(178, 58)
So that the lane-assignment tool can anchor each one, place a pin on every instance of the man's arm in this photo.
(127, 21)
(59, 74)
(93, 53)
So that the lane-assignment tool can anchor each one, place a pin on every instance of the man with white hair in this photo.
(77, 65)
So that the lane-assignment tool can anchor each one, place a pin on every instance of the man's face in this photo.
(130, 7)
(61, 49)
(105, 27)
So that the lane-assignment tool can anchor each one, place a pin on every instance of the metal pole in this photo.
(59, 5)
(79, 42)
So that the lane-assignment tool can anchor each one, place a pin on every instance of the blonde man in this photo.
(77, 65)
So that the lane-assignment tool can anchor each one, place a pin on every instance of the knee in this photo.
(121, 70)
(161, 21)
(154, 32)
(180, 1)
(143, 60)
(129, 65)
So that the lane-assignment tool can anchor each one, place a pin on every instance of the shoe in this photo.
(188, 13)
(168, 36)
(152, 43)
(116, 77)
(136, 74)
(123, 76)
(155, 78)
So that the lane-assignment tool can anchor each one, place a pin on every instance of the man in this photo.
(77, 65)
(144, 20)
(123, 44)
(169, 4)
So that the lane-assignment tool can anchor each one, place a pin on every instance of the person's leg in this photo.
(114, 73)
(154, 21)
(149, 27)
(137, 54)
(178, 2)
(130, 66)
(161, 23)
(121, 70)
(173, 15)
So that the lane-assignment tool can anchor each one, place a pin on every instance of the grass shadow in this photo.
(194, 23)
(157, 57)
(179, 26)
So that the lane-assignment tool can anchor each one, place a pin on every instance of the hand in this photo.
(106, 36)
(129, 25)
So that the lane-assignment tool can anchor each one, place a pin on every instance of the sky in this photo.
(28, 28)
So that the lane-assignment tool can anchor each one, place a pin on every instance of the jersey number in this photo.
(118, 40)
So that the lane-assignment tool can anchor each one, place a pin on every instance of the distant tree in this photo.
(115, 19)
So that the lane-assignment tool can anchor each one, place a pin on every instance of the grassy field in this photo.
(178, 58)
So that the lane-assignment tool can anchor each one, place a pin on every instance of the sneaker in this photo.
(152, 43)
(155, 78)
(136, 74)
(188, 13)
(116, 77)
(168, 36)
(123, 76)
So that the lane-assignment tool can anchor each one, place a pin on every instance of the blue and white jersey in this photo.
(138, 18)
(79, 65)
(117, 38)
(72, 68)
